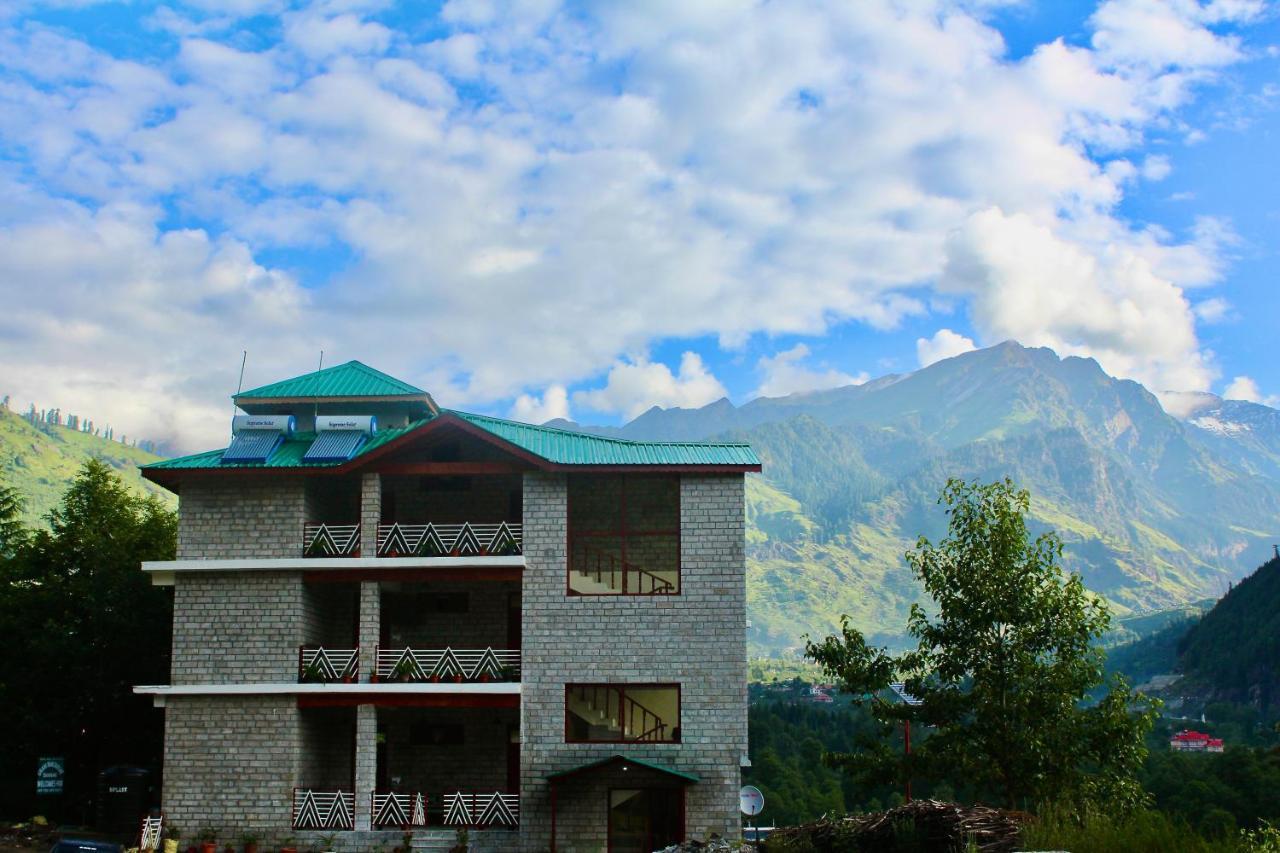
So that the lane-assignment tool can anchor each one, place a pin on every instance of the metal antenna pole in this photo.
(244, 357)
(320, 366)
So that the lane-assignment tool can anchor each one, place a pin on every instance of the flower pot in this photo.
(171, 845)
(484, 678)
(435, 679)
(373, 679)
(346, 679)
(288, 850)
(251, 848)
(457, 679)
(208, 847)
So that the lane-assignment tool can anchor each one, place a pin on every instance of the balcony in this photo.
(468, 539)
(335, 810)
(447, 664)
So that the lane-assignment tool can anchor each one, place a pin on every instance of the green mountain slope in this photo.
(40, 460)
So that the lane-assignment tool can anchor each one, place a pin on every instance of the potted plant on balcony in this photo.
(509, 673)
(172, 835)
(329, 842)
(249, 842)
(404, 670)
(208, 840)
(461, 844)
(313, 673)
(288, 845)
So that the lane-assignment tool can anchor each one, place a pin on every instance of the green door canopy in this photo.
(684, 777)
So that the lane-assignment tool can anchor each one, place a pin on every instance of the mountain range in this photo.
(1160, 505)
(1156, 509)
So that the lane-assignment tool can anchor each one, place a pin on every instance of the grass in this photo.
(1142, 832)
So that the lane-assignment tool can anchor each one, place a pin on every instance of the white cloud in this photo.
(627, 174)
(1156, 167)
(633, 387)
(784, 373)
(554, 403)
(944, 344)
(1245, 388)
(1212, 310)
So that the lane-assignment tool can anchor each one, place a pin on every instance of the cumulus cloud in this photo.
(554, 403)
(498, 200)
(785, 373)
(944, 344)
(1245, 388)
(633, 387)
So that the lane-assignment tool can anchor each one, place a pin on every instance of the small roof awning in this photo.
(684, 776)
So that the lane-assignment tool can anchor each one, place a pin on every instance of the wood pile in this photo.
(923, 826)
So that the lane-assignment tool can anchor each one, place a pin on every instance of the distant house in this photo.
(1193, 741)
(818, 694)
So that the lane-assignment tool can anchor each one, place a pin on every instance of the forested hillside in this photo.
(39, 461)
(1234, 650)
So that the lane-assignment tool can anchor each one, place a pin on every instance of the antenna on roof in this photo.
(320, 366)
(315, 409)
(240, 384)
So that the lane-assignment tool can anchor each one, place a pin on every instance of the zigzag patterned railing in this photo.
(323, 809)
(496, 809)
(331, 540)
(400, 810)
(450, 540)
(426, 664)
(321, 664)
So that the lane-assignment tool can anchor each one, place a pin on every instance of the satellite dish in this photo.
(751, 800)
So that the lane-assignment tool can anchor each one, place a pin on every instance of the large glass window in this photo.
(622, 713)
(624, 535)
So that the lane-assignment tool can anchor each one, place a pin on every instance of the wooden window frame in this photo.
(622, 688)
(622, 533)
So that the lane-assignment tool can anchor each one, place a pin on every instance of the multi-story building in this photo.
(389, 615)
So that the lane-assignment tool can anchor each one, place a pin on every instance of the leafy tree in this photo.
(82, 625)
(1000, 667)
(12, 531)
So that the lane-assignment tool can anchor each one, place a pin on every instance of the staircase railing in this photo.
(600, 564)
(651, 728)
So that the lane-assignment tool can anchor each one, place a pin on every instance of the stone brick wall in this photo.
(408, 619)
(235, 627)
(326, 747)
(241, 519)
(478, 763)
(230, 763)
(697, 638)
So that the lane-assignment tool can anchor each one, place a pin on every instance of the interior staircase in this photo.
(599, 708)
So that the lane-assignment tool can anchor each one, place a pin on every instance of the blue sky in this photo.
(586, 209)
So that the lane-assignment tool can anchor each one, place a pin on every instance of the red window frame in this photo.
(621, 533)
(676, 729)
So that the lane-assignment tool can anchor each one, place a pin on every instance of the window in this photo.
(622, 713)
(624, 535)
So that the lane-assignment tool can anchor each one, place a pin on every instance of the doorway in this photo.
(645, 819)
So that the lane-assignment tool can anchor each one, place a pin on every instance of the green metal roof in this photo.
(557, 446)
(613, 759)
(353, 379)
(575, 448)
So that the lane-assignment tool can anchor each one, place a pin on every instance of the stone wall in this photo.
(241, 519)
(236, 627)
(697, 639)
(230, 763)
(477, 763)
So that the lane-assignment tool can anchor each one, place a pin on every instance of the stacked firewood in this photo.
(928, 826)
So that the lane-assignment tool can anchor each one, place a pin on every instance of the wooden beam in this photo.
(451, 469)
(410, 700)
(495, 573)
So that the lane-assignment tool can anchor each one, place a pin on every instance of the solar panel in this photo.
(253, 445)
(334, 446)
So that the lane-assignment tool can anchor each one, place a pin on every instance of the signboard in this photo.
(49, 773)
(751, 800)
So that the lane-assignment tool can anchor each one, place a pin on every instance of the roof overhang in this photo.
(626, 763)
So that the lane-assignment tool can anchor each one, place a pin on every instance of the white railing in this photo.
(401, 810)
(496, 809)
(331, 540)
(321, 664)
(452, 664)
(323, 809)
(450, 540)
